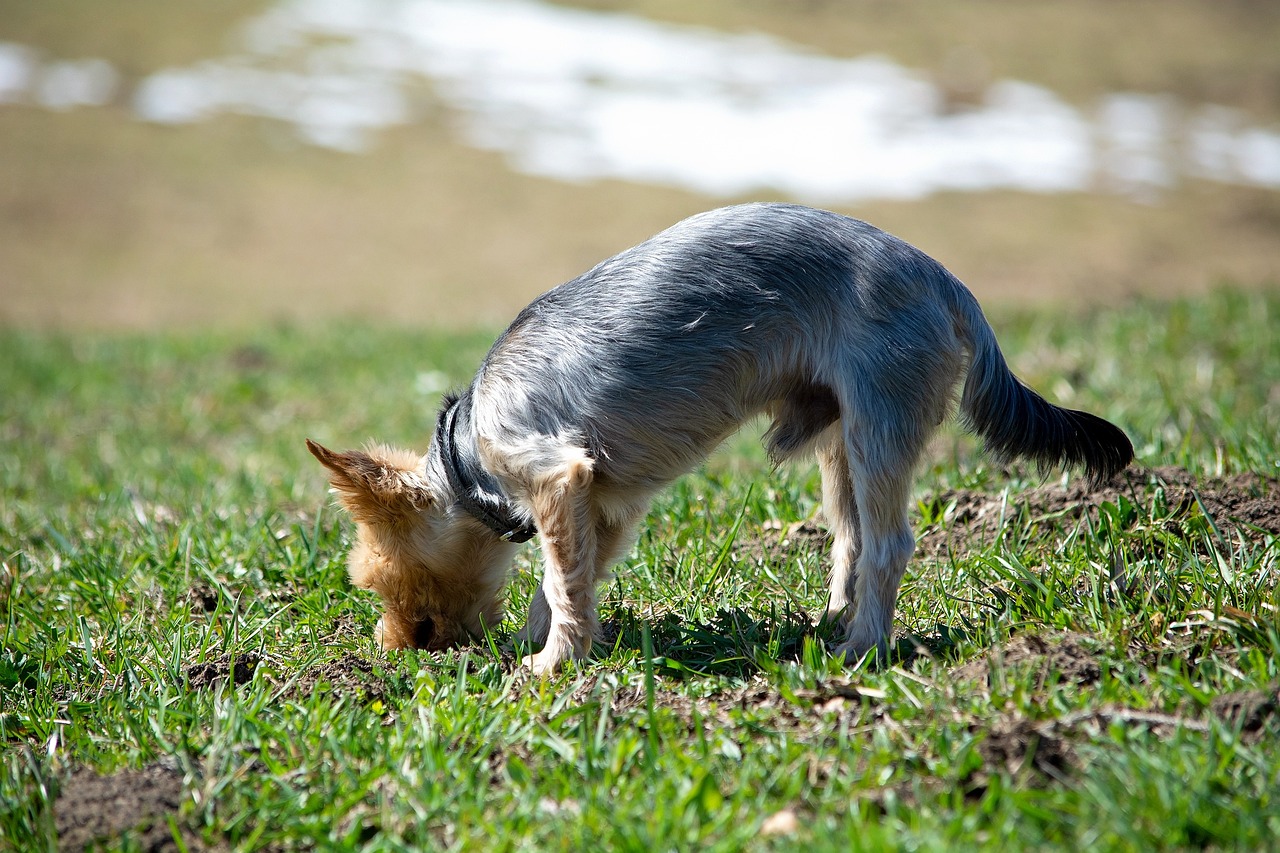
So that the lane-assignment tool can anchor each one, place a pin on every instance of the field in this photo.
(184, 665)
(183, 654)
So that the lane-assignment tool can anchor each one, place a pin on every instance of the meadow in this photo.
(185, 666)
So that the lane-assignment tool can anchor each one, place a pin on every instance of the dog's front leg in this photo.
(613, 537)
(566, 526)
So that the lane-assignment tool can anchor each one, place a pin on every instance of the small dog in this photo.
(608, 387)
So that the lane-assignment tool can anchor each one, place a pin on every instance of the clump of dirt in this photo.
(1243, 506)
(1248, 710)
(775, 543)
(1064, 655)
(237, 670)
(756, 696)
(349, 675)
(202, 598)
(1022, 747)
(92, 809)
(1236, 503)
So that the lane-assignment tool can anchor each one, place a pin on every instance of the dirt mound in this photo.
(1021, 746)
(347, 676)
(1248, 710)
(92, 809)
(238, 670)
(1062, 655)
(202, 598)
(1243, 506)
(776, 543)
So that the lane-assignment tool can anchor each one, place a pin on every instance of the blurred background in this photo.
(439, 162)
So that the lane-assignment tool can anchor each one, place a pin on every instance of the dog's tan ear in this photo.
(382, 486)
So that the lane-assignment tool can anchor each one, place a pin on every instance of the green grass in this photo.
(137, 469)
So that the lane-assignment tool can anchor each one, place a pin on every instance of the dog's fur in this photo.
(610, 386)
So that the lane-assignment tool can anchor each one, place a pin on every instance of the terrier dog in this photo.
(608, 387)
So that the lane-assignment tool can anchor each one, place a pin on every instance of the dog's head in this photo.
(440, 577)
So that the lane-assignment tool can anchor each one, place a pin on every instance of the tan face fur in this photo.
(439, 573)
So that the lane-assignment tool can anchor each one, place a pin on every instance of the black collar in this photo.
(490, 507)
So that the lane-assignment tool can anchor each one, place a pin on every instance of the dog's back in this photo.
(657, 354)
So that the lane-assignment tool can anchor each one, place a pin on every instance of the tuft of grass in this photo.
(173, 596)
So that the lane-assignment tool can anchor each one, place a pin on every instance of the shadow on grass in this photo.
(735, 643)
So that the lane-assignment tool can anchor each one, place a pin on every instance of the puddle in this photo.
(55, 85)
(580, 95)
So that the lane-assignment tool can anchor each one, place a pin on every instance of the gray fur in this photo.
(608, 387)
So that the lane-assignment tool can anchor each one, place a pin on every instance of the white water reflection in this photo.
(57, 85)
(579, 95)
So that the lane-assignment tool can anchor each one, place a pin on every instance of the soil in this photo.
(1022, 747)
(92, 809)
(772, 546)
(347, 676)
(1064, 655)
(238, 670)
(1248, 710)
(1243, 506)
(202, 598)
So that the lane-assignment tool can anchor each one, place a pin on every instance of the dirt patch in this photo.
(1062, 655)
(1237, 503)
(348, 676)
(202, 598)
(1243, 506)
(775, 543)
(237, 670)
(1248, 710)
(92, 809)
(1024, 748)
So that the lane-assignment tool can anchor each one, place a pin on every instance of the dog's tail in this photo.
(1016, 422)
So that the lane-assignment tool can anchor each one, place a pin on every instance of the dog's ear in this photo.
(381, 486)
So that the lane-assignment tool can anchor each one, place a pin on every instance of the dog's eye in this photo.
(424, 633)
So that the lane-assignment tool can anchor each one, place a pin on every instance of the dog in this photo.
(605, 389)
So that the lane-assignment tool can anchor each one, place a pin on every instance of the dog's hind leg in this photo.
(538, 622)
(841, 512)
(882, 449)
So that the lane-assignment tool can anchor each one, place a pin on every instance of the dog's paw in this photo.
(543, 664)
(561, 649)
(856, 648)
